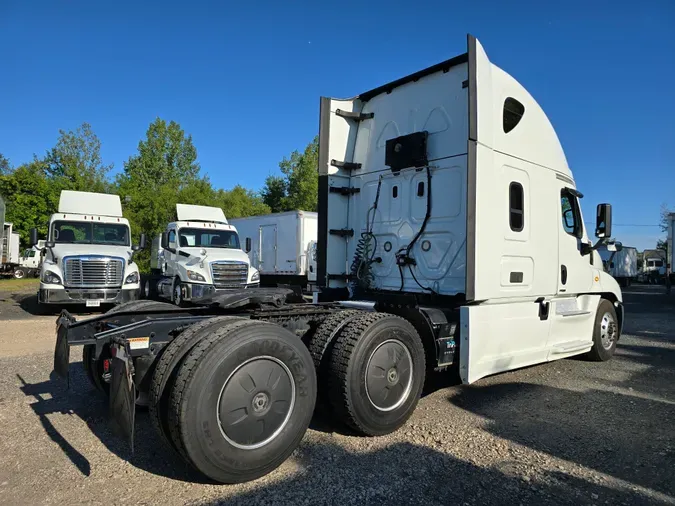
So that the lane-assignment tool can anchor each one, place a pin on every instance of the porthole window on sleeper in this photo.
(513, 113)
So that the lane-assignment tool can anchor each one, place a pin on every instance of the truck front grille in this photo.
(229, 274)
(84, 272)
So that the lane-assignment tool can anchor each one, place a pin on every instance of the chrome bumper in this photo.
(82, 295)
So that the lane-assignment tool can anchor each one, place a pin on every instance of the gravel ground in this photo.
(568, 432)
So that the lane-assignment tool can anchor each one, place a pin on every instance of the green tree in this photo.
(30, 198)
(5, 166)
(75, 162)
(163, 173)
(274, 193)
(240, 202)
(298, 188)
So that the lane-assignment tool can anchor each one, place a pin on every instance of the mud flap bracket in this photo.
(122, 391)
(62, 353)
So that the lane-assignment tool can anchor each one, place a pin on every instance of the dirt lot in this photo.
(568, 432)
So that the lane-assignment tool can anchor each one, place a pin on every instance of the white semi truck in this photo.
(283, 247)
(621, 265)
(450, 238)
(198, 256)
(88, 253)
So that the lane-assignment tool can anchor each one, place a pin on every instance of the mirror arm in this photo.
(587, 249)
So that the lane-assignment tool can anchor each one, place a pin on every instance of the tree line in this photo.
(164, 171)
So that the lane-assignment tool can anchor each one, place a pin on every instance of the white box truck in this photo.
(448, 211)
(9, 252)
(621, 265)
(197, 257)
(282, 246)
(89, 255)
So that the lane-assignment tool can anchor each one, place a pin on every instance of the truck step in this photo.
(344, 190)
(342, 277)
(342, 232)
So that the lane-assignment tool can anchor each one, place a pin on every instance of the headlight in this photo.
(131, 279)
(195, 276)
(50, 278)
(255, 276)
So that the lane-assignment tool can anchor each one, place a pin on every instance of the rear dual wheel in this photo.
(241, 399)
(371, 370)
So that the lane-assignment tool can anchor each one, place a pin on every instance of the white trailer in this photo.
(622, 265)
(450, 239)
(671, 243)
(9, 254)
(282, 246)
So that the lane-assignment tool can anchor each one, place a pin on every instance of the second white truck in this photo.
(283, 247)
(197, 256)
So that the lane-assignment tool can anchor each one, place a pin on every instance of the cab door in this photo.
(573, 308)
(170, 254)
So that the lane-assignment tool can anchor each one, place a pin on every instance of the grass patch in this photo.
(11, 284)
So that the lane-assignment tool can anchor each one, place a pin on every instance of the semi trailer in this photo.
(283, 247)
(197, 257)
(9, 249)
(89, 258)
(450, 240)
(621, 265)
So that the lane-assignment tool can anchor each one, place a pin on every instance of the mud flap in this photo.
(62, 353)
(122, 394)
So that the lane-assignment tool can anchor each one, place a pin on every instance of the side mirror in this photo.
(165, 240)
(33, 237)
(141, 243)
(248, 244)
(603, 221)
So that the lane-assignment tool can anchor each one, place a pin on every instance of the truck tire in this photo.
(236, 376)
(605, 332)
(377, 373)
(94, 367)
(177, 293)
(19, 273)
(320, 348)
(166, 369)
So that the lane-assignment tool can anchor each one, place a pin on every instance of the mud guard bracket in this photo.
(62, 353)
(122, 392)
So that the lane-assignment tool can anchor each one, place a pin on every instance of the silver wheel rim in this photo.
(177, 294)
(19, 274)
(244, 398)
(389, 375)
(146, 289)
(607, 330)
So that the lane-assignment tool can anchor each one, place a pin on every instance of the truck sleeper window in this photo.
(79, 232)
(208, 238)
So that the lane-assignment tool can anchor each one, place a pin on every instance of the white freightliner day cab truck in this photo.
(88, 253)
(198, 256)
(458, 244)
(283, 247)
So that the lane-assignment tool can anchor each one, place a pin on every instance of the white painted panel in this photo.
(437, 103)
(398, 219)
(190, 212)
(87, 203)
(500, 337)
(572, 321)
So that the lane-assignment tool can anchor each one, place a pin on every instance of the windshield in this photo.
(208, 238)
(80, 232)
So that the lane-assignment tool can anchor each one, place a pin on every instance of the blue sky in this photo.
(244, 78)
